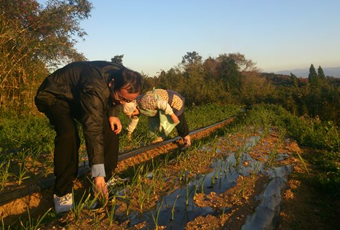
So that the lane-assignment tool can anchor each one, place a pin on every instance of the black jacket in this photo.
(85, 86)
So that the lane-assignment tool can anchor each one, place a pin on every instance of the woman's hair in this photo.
(128, 79)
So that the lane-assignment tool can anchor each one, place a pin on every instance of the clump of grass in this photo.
(155, 216)
(32, 224)
(4, 173)
(77, 206)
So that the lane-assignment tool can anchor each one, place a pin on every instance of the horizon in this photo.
(304, 72)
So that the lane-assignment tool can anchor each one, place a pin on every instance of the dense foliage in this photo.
(229, 78)
(33, 39)
(232, 79)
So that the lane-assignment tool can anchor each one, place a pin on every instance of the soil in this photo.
(302, 207)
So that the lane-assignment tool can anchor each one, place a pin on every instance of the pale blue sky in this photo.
(155, 35)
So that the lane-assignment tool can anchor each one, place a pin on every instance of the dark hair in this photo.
(129, 79)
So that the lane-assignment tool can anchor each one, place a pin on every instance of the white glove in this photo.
(129, 136)
(187, 141)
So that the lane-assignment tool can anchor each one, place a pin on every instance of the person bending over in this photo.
(88, 92)
(164, 109)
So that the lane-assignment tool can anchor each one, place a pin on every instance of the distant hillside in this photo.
(330, 71)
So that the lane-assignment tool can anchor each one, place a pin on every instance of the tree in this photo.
(313, 78)
(295, 80)
(255, 89)
(34, 39)
(117, 59)
(229, 73)
(210, 68)
(191, 61)
(321, 74)
(242, 63)
(191, 58)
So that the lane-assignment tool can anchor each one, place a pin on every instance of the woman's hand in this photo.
(135, 112)
(129, 136)
(116, 125)
(174, 118)
(187, 141)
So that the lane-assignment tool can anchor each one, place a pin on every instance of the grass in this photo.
(32, 224)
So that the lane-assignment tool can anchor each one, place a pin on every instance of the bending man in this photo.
(90, 93)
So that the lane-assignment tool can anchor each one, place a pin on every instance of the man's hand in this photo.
(115, 121)
(174, 118)
(100, 187)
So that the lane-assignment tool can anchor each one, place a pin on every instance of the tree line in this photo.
(36, 39)
(231, 78)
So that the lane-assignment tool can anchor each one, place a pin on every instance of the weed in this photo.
(187, 193)
(32, 224)
(4, 173)
(79, 206)
(22, 172)
(303, 162)
(173, 209)
(155, 218)
(111, 214)
(272, 156)
(202, 184)
(3, 224)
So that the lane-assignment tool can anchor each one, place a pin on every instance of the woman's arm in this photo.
(163, 105)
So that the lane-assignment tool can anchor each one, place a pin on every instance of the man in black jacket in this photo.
(90, 93)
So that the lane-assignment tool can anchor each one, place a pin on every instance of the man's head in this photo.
(125, 85)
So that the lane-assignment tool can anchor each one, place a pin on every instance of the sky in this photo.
(154, 35)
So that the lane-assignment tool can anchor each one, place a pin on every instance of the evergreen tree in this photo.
(313, 78)
(321, 74)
